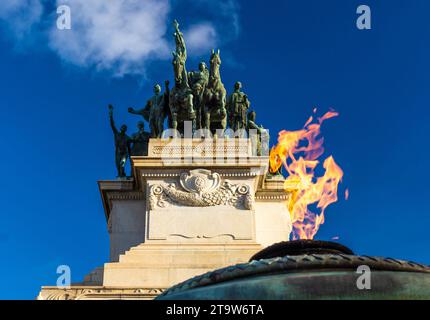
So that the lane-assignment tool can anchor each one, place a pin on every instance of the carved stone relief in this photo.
(201, 188)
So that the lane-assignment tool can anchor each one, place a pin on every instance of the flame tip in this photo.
(298, 151)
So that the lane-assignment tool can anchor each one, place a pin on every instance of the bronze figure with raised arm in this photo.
(122, 145)
(155, 110)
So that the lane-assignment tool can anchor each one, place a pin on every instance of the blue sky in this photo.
(291, 56)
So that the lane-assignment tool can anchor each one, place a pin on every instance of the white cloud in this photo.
(20, 15)
(113, 35)
(230, 11)
(222, 13)
(200, 38)
(122, 36)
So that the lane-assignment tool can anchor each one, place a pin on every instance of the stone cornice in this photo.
(128, 195)
(177, 174)
(117, 186)
(272, 197)
(202, 147)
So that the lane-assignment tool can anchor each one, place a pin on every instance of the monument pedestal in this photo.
(160, 266)
(191, 206)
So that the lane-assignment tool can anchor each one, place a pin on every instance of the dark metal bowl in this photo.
(307, 269)
(301, 247)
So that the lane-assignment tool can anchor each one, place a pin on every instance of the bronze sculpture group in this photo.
(197, 97)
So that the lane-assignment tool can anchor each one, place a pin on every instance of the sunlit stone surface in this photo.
(185, 211)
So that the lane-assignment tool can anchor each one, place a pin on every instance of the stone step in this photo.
(135, 275)
(201, 258)
(165, 265)
(204, 256)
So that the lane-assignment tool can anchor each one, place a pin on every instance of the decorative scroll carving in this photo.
(200, 181)
(201, 188)
(96, 293)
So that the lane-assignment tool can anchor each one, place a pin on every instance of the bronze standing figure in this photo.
(155, 110)
(198, 81)
(140, 141)
(258, 135)
(122, 145)
(237, 108)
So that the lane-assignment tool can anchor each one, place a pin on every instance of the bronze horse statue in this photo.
(214, 97)
(181, 97)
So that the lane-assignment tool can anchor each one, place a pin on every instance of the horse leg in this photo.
(160, 126)
(175, 122)
(194, 124)
(190, 105)
(207, 119)
(153, 128)
(224, 124)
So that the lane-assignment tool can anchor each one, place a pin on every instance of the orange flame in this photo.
(308, 190)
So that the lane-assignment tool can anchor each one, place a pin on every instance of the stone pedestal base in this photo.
(160, 266)
(189, 208)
